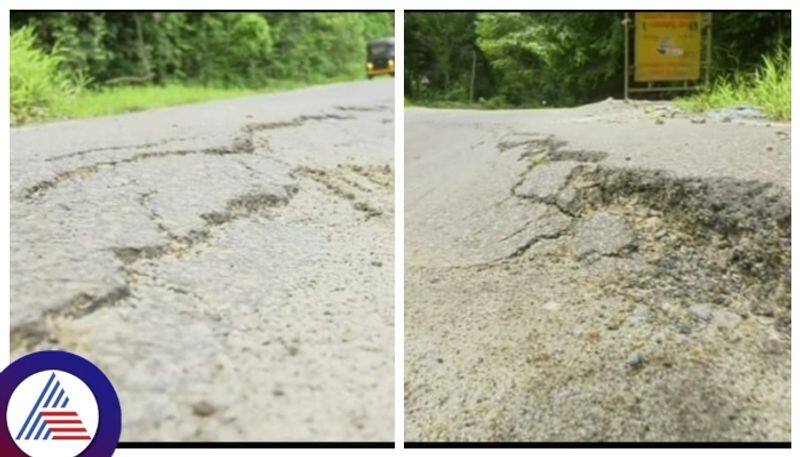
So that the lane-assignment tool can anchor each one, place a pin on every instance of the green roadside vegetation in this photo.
(125, 99)
(560, 59)
(768, 88)
(73, 65)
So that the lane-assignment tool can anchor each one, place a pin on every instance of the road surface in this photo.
(229, 265)
(613, 272)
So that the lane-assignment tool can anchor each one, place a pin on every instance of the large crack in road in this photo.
(230, 271)
(564, 289)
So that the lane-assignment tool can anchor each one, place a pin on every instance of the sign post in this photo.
(667, 50)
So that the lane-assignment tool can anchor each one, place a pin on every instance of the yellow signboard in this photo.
(667, 46)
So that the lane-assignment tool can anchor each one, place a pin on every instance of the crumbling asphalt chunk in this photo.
(602, 233)
(702, 311)
(544, 182)
(569, 200)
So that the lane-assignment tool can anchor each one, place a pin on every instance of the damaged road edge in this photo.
(731, 236)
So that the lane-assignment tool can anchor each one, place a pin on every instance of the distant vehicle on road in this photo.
(380, 57)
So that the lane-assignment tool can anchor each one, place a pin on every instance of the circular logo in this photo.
(58, 404)
(65, 410)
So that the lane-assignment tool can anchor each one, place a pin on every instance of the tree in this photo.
(563, 59)
(228, 49)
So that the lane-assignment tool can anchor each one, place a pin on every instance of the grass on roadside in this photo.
(767, 88)
(132, 98)
(136, 98)
(125, 99)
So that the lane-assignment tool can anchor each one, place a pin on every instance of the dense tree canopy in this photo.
(243, 49)
(566, 58)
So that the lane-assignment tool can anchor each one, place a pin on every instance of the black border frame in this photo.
(144, 10)
(601, 445)
(256, 445)
(423, 444)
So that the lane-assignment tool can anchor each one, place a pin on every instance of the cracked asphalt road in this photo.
(601, 273)
(228, 265)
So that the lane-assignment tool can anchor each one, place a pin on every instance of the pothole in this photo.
(720, 241)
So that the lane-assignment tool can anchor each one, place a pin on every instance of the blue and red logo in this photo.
(58, 404)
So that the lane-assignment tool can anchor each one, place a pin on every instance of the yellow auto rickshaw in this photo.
(380, 57)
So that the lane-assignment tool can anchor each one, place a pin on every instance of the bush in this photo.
(767, 88)
(38, 84)
(250, 47)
